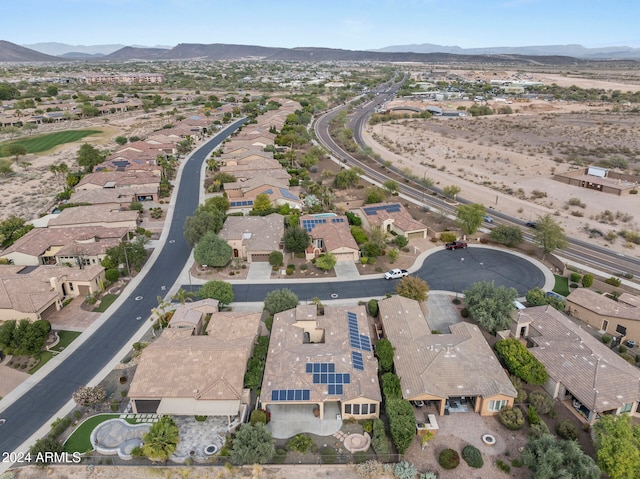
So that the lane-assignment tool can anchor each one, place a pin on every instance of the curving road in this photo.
(27, 414)
(443, 270)
(580, 251)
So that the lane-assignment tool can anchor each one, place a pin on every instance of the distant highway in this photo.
(580, 251)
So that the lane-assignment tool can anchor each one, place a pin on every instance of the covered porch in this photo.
(287, 420)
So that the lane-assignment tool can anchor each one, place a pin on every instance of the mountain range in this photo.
(575, 51)
(568, 54)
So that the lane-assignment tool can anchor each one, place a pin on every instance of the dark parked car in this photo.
(456, 245)
(531, 224)
(630, 343)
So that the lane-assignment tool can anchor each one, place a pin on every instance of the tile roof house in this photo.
(243, 200)
(619, 317)
(192, 315)
(583, 371)
(391, 217)
(323, 363)
(75, 246)
(254, 237)
(185, 374)
(95, 215)
(118, 179)
(330, 233)
(457, 370)
(36, 292)
(118, 196)
(250, 168)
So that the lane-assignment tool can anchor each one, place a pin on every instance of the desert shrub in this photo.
(516, 462)
(511, 418)
(538, 430)
(449, 459)
(258, 415)
(606, 338)
(567, 430)
(541, 401)
(622, 349)
(472, 456)
(89, 396)
(367, 425)
(448, 237)
(404, 470)
(464, 312)
(370, 469)
(575, 277)
(280, 456)
(613, 281)
(587, 280)
(300, 443)
(112, 275)
(503, 466)
(532, 416)
(428, 475)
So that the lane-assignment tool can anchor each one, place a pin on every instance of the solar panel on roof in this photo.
(274, 395)
(290, 395)
(332, 389)
(298, 395)
(309, 367)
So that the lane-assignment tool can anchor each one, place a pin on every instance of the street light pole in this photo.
(458, 282)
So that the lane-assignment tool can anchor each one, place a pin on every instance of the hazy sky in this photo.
(349, 24)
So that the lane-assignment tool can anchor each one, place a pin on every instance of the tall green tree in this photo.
(13, 228)
(280, 300)
(507, 235)
(413, 287)
(253, 444)
(6, 168)
(262, 203)
(618, 445)
(14, 150)
(551, 458)
(182, 296)
(451, 191)
(162, 440)
(347, 178)
(296, 239)
(220, 290)
(470, 217)
(89, 157)
(385, 352)
(204, 220)
(491, 307)
(212, 251)
(326, 261)
(130, 254)
(549, 235)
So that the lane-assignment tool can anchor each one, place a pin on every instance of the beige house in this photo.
(122, 197)
(95, 215)
(35, 293)
(330, 233)
(254, 237)
(583, 372)
(278, 196)
(184, 374)
(456, 371)
(119, 179)
(80, 246)
(193, 315)
(322, 363)
(619, 318)
(391, 217)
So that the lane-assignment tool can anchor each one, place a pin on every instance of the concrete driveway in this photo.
(259, 270)
(441, 312)
(346, 270)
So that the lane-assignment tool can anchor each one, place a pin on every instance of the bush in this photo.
(503, 466)
(372, 306)
(112, 275)
(622, 349)
(539, 430)
(258, 415)
(472, 456)
(448, 237)
(606, 338)
(575, 277)
(300, 443)
(275, 258)
(532, 416)
(541, 401)
(404, 470)
(379, 441)
(587, 280)
(567, 430)
(511, 418)
(613, 281)
(449, 459)
(464, 312)
(520, 362)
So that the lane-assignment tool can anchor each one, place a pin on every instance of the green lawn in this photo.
(45, 356)
(66, 337)
(561, 286)
(107, 300)
(40, 143)
(79, 441)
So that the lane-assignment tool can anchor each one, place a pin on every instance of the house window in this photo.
(364, 409)
(356, 409)
(347, 408)
(372, 408)
(70, 286)
(495, 406)
(360, 409)
(626, 407)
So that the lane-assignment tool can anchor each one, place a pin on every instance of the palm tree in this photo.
(160, 313)
(161, 440)
(182, 296)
